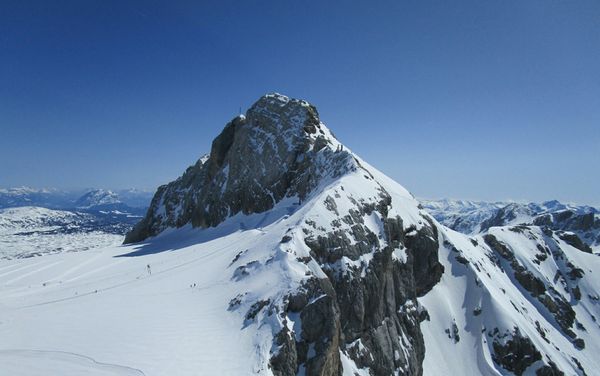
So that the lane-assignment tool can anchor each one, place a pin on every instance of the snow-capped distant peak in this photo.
(97, 197)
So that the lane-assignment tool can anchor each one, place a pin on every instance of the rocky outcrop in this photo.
(554, 302)
(515, 354)
(316, 348)
(373, 296)
(574, 240)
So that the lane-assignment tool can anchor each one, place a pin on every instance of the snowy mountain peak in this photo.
(336, 232)
(278, 149)
(97, 197)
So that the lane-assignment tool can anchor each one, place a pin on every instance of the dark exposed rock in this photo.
(516, 354)
(427, 270)
(284, 363)
(575, 241)
(530, 282)
(235, 302)
(574, 272)
(256, 308)
(562, 311)
(579, 366)
(375, 305)
(549, 370)
(453, 333)
(318, 347)
(321, 332)
(501, 217)
(576, 292)
(498, 247)
(579, 343)
(461, 259)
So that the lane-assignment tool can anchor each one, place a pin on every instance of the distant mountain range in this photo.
(473, 217)
(34, 222)
(92, 198)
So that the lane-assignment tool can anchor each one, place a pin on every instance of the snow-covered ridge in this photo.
(52, 198)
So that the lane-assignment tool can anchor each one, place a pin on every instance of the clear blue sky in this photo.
(473, 99)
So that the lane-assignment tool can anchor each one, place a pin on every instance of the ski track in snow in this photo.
(38, 362)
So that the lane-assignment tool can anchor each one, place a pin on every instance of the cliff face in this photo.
(367, 310)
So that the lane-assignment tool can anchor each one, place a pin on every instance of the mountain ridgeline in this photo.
(360, 279)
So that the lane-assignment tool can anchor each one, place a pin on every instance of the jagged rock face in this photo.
(277, 150)
(379, 315)
(515, 354)
(366, 308)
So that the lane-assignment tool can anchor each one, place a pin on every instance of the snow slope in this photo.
(98, 305)
(481, 295)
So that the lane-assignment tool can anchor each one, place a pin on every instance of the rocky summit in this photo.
(278, 149)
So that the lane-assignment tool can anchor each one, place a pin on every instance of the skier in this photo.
(148, 269)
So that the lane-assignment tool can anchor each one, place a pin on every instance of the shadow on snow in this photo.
(177, 238)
